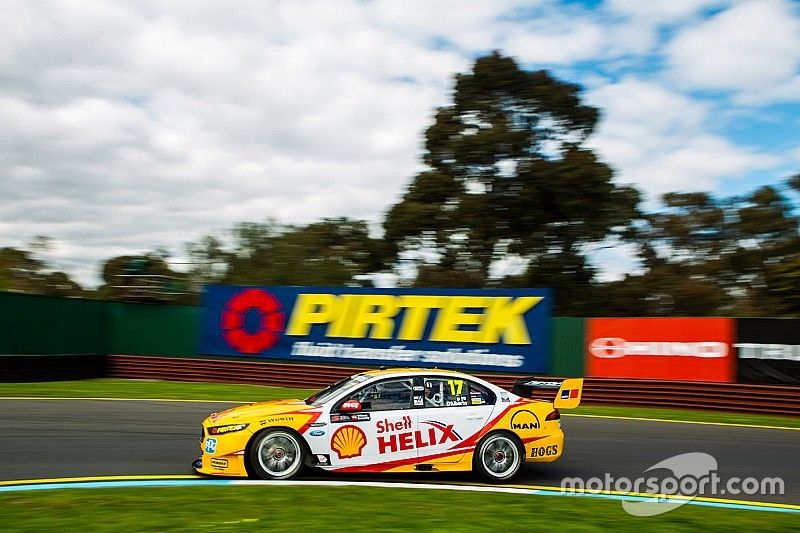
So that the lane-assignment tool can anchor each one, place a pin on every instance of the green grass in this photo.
(350, 509)
(137, 388)
(688, 414)
(131, 388)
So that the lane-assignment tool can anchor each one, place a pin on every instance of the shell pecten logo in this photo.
(348, 441)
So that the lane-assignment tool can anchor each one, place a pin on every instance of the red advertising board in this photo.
(684, 349)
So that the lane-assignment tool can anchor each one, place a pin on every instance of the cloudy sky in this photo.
(126, 126)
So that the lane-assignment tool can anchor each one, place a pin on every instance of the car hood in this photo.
(256, 411)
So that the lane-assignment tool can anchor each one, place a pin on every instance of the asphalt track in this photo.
(75, 438)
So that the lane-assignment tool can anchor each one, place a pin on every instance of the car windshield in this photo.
(326, 394)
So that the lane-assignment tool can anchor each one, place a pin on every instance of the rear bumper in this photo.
(545, 450)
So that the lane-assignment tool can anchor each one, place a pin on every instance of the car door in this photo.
(453, 410)
(382, 430)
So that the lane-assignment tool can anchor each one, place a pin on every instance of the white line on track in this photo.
(172, 481)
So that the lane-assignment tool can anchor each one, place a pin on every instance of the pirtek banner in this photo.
(685, 349)
(768, 350)
(504, 330)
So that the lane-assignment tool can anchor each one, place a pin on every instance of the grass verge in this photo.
(132, 388)
(221, 509)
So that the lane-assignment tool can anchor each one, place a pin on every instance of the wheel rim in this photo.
(500, 456)
(279, 454)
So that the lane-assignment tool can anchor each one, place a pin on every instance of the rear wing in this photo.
(568, 395)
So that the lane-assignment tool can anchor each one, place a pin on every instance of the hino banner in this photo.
(685, 349)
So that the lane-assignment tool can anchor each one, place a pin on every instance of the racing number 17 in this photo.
(456, 386)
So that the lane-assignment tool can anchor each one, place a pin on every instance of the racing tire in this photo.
(498, 457)
(277, 454)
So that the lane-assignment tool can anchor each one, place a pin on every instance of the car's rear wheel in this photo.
(498, 457)
(277, 454)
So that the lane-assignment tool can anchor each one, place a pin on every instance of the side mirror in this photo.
(350, 406)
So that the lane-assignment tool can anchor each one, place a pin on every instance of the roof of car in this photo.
(408, 370)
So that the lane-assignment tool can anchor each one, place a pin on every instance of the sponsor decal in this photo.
(749, 350)
(252, 321)
(316, 433)
(544, 451)
(477, 400)
(401, 438)
(211, 445)
(543, 384)
(569, 393)
(355, 417)
(419, 401)
(351, 404)
(348, 441)
(504, 398)
(229, 428)
(524, 419)
(385, 426)
(615, 348)
(219, 464)
(277, 419)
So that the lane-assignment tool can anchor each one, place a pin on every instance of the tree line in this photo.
(511, 196)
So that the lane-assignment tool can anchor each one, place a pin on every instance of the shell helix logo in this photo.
(348, 441)
(252, 321)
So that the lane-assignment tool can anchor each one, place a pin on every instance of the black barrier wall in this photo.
(768, 350)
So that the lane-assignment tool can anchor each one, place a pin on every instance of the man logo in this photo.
(524, 420)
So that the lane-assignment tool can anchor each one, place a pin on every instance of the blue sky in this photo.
(131, 125)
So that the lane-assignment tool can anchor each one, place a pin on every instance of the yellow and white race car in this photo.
(397, 420)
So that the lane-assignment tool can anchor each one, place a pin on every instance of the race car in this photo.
(397, 420)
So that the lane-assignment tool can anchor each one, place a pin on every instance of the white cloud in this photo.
(752, 48)
(127, 126)
(658, 140)
(563, 42)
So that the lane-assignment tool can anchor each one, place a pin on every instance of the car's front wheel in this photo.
(498, 457)
(277, 454)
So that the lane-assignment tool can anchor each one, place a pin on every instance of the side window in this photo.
(384, 395)
(445, 392)
(454, 392)
(480, 395)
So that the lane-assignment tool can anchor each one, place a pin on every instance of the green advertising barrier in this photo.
(567, 347)
(42, 325)
(148, 329)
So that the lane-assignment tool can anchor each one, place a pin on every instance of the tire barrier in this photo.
(735, 397)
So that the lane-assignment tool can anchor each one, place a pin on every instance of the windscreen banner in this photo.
(683, 349)
(768, 350)
(469, 329)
